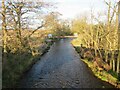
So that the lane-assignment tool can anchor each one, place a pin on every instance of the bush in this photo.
(88, 55)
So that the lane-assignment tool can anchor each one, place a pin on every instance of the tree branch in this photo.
(35, 30)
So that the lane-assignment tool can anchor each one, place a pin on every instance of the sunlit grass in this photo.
(103, 75)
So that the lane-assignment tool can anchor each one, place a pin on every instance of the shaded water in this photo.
(61, 67)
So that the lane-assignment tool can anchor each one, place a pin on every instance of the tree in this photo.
(112, 32)
(118, 60)
(15, 15)
(4, 27)
(18, 9)
(52, 21)
(101, 36)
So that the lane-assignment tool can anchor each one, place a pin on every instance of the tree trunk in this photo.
(118, 63)
(19, 24)
(118, 60)
(4, 27)
(108, 29)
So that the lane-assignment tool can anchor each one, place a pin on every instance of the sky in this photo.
(72, 8)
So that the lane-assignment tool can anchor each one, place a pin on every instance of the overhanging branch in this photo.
(35, 30)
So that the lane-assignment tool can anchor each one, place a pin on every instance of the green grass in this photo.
(15, 64)
(108, 76)
(103, 75)
(19, 59)
(13, 68)
(114, 74)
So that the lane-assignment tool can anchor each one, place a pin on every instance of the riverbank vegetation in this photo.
(25, 41)
(30, 28)
(98, 44)
(18, 59)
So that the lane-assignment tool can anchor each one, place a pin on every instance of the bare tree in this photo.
(15, 17)
(118, 60)
(4, 27)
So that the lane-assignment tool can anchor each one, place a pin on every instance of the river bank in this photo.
(18, 64)
(107, 76)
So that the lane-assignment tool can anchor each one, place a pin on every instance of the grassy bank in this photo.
(105, 75)
(17, 64)
(19, 59)
(109, 76)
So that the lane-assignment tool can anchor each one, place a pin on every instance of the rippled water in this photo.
(61, 67)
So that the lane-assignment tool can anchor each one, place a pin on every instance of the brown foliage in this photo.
(107, 67)
(98, 62)
(88, 55)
